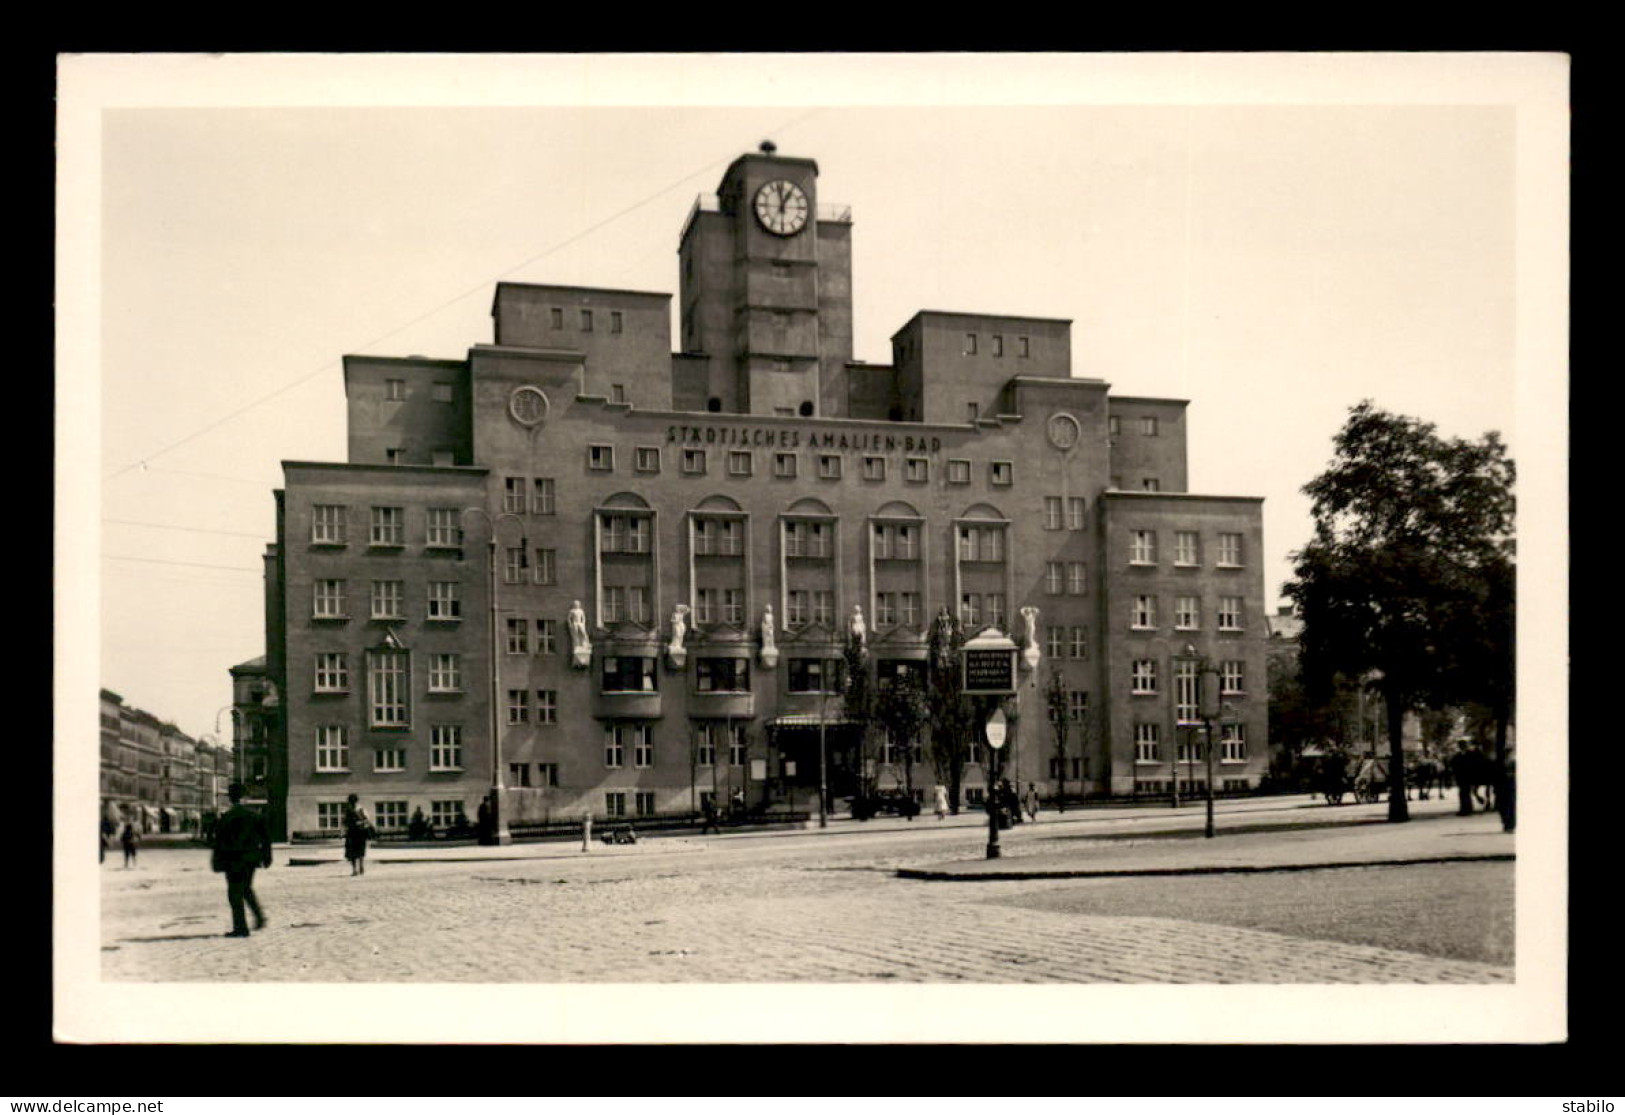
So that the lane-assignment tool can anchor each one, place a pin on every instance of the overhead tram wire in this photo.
(484, 285)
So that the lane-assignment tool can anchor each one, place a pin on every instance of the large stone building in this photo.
(155, 775)
(638, 567)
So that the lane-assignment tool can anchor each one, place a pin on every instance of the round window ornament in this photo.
(528, 405)
(1064, 431)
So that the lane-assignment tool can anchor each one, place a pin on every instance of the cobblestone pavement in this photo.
(803, 908)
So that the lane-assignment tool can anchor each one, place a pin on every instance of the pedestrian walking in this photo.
(357, 831)
(1032, 800)
(942, 801)
(101, 839)
(709, 809)
(129, 838)
(242, 844)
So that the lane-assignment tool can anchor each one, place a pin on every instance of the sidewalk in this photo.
(1307, 839)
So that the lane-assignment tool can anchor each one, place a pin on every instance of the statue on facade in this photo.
(580, 645)
(770, 650)
(676, 653)
(860, 632)
(1030, 653)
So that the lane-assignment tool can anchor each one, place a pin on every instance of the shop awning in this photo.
(809, 720)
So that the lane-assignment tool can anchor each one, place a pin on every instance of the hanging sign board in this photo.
(988, 665)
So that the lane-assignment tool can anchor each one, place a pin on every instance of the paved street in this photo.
(829, 907)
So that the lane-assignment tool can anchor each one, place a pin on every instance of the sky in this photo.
(1257, 239)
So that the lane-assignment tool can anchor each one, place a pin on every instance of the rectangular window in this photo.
(694, 462)
(388, 760)
(722, 675)
(615, 321)
(1055, 641)
(874, 468)
(995, 609)
(1233, 743)
(816, 675)
(885, 609)
(970, 344)
(601, 458)
(547, 636)
(518, 636)
(958, 471)
(1187, 613)
(541, 495)
(917, 470)
(646, 458)
(1186, 693)
(1151, 484)
(1079, 705)
(446, 747)
(970, 608)
(1001, 473)
(797, 608)
(615, 803)
(513, 494)
(645, 803)
(829, 466)
(624, 674)
(332, 748)
(733, 606)
(1232, 677)
(446, 814)
(998, 344)
(739, 462)
(1143, 676)
(332, 673)
(705, 606)
(643, 747)
(1080, 642)
(445, 600)
(823, 606)
(328, 600)
(1023, 349)
(586, 321)
(1054, 577)
(330, 815)
(1229, 549)
(613, 603)
(1114, 426)
(442, 393)
(389, 816)
(784, 465)
(637, 604)
(547, 706)
(1146, 740)
(513, 565)
(1148, 426)
(328, 524)
(445, 673)
(388, 687)
(395, 390)
(908, 609)
(1077, 578)
(442, 531)
(1145, 611)
(388, 526)
(1186, 544)
(518, 706)
(556, 317)
(1230, 613)
(1053, 516)
(1075, 509)
(1142, 547)
(546, 569)
(705, 744)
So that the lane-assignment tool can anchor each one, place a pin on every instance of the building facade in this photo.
(634, 570)
(153, 774)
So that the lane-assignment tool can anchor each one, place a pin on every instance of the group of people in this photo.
(1009, 805)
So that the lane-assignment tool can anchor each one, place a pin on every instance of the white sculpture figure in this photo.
(1030, 654)
(770, 651)
(580, 645)
(675, 651)
(860, 633)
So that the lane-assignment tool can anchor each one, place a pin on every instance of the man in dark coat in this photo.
(241, 844)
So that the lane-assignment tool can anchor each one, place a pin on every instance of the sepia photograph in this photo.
(812, 548)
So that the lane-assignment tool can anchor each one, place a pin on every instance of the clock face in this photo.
(781, 207)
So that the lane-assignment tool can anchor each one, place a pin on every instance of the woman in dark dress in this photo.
(356, 831)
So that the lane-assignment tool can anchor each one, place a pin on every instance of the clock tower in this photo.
(766, 282)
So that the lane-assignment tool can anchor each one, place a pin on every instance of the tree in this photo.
(1407, 525)
(949, 712)
(1059, 700)
(900, 709)
(858, 706)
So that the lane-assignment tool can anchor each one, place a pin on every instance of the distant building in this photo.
(151, 771)
(614, 578)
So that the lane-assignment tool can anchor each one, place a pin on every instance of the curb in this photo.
(1230, 869)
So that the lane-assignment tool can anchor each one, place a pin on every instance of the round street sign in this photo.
(997, 728)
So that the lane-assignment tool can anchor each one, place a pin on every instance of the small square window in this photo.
(739, 462)
(917, 470)
(694, 462)
(1148, 426)
(647, 458)
(874, 468)
(394, 389)
(958, 471)
(601, 458)
(829, 466)
(1001, 473)
(784, 465)
(617, 392)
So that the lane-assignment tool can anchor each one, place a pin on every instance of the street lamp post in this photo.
(823, 762)
(498, 832)
(1203, 670)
